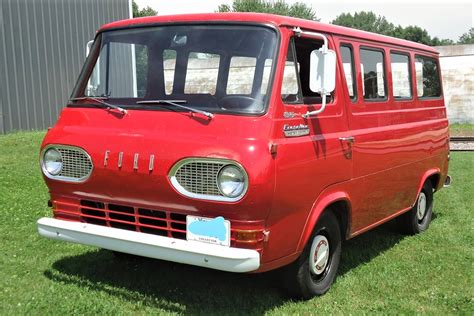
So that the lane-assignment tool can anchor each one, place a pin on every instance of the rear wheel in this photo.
(418, 218)
(314, 272)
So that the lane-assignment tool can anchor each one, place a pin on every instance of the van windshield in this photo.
(214, 68)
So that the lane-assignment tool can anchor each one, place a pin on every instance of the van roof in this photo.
(277, 20)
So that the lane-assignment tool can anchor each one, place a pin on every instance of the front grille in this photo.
(144, 220)
(156, 222)
(200, 177)
(76, 163)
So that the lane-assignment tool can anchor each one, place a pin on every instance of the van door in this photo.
(310, 157)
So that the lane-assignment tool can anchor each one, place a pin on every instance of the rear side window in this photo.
(401, 76)
(169, 66)
(201, 73)
(241, 74)
(349, 73)
(427, 77)
(373, 74)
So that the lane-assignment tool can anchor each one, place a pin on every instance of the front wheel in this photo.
(418, 218)
(314, 272)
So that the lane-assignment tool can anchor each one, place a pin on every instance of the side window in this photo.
(241, 74)
(169, 65)
(289, 87)
(141, 68)
(201, 73)
(116, 78)
(427, 77)
(267, 68)
(373, 74)
(401, 76)
(349, 73)
(295, 86)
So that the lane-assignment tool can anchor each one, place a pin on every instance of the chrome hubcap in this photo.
(421, 209)
(319, 254)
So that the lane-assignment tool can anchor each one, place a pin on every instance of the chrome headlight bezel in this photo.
(225, 183)
(52, 165)
(219, 195)
(58, 176)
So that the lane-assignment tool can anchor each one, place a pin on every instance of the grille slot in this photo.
(95, 212)
(200, 177)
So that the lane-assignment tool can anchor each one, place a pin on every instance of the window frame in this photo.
(355, 97)
(384, 64)
(436, 61)
(410, 75)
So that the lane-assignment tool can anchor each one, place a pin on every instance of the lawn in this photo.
(381, 271)
(461, 129)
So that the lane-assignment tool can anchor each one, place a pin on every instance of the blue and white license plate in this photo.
(209, 230)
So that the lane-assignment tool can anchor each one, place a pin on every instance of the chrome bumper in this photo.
(147, 245)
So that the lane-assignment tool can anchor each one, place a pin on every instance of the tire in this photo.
(418, 218)
(305, 278)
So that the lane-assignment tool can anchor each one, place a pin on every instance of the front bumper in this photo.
(147, 245)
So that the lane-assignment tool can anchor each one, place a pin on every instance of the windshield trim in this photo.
(95, 51)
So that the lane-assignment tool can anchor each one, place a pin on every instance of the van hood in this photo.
(169, 137)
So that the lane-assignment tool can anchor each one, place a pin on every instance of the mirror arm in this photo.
(324, 49)
(321, 109)
(298, 32)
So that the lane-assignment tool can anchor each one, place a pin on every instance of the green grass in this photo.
(461, 129)
(381, 271)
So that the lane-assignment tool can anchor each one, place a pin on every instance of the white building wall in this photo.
(457, 69)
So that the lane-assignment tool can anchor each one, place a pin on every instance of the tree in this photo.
(467, 38)
(435, 41)
(368, 21)
(416, 34)
(137, 13)
(280, 7)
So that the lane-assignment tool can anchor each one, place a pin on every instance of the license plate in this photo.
(210, 230)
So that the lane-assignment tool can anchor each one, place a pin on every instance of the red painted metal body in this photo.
(398, 145)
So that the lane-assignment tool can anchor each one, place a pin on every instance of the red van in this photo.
(246, 143)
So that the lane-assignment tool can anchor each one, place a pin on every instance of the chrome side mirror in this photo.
(94, 80)
(322, 78)
(88, 47)
(322, 75)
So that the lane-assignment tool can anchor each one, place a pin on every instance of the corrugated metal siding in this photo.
(43, 49)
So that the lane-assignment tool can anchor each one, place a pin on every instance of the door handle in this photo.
(349, 139)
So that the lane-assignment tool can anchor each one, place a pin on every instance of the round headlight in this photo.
(52, 161)
(231, 181)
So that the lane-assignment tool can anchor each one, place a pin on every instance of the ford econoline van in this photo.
(246, 143)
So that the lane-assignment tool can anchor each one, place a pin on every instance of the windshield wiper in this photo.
(176, 104)
(101, 101)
